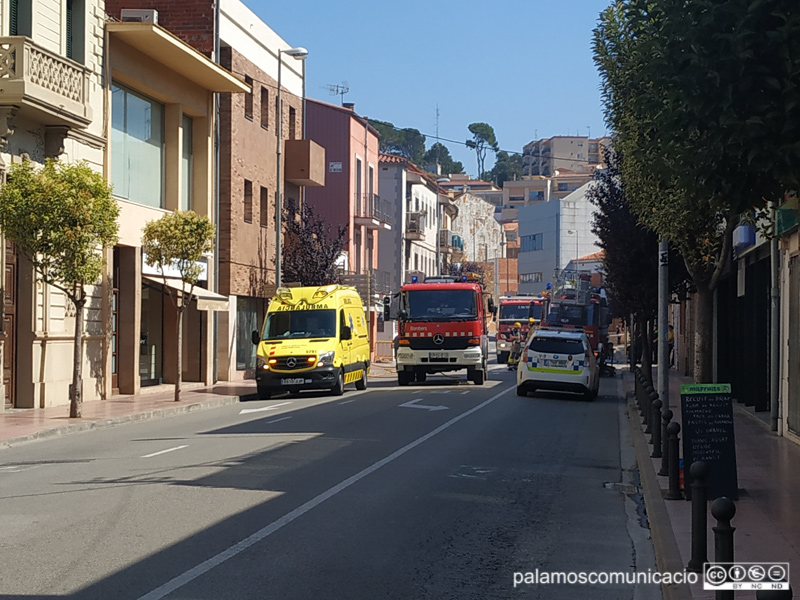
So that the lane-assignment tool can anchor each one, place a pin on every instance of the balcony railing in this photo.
(415, 225)
(48, 87)
(373, 210)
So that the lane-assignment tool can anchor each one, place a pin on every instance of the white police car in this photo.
(558, 360)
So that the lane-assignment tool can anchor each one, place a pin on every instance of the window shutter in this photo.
(69, 30)
(14, 18)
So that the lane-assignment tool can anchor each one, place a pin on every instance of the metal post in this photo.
(666, 419)
(278, 178)
(774, 327)
(723, 510)
(663, 306)
(699, 471)
(674, 492)
(655, 419)
(647, 392)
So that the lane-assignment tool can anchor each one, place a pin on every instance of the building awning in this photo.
(206, 299)
(164, 47)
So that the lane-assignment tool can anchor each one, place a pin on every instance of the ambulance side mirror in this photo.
(255, 337)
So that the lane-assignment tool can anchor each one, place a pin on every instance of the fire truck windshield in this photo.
(569, 314)
(517, 312)
(445, 304)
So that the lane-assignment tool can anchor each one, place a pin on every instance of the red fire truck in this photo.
(525, 310)
(442, 327)
(577, 305)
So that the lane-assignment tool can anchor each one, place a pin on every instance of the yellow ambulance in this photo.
(313, 338)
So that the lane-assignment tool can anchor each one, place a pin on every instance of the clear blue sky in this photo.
(523, 66)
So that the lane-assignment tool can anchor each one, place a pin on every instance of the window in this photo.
(248, 99)
(137, 147)
(562, 187)
(531, 243)
(246, 322)
(186, 163)
(530, 278)
(292, 123)
(264, 207)
(248, 201)
(535, 195)
(264, 107)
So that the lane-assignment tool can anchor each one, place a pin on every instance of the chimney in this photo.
(350, 105)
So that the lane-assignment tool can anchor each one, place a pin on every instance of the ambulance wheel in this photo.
(338, 389)
(404, 377)
(264, 393)
(361, 384)
(421, 376)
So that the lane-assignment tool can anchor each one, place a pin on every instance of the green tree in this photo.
(62, 218)
(439, 154)
(702, 97)
(408, 143)
(178, 240)
(506, 167)
(483, 139)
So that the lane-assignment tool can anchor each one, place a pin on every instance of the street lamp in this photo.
(299, 54)
(439, 183)
(577, 251)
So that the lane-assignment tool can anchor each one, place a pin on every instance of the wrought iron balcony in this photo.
(373, 211)
(41, 85)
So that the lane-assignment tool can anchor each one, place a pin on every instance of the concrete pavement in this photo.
(767, 519)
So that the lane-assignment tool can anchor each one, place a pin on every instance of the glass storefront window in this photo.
(247, 321)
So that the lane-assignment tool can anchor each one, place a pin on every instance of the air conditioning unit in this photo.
(137, 15)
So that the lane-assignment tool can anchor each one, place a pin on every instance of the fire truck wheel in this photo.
(403, 378)
(478, 376)
(421, 376)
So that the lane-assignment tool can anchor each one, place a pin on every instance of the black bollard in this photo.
(666, 419)
(674, 491)
(723, 509)
(647, 391)
(699, 471)
(775, 594)
(656, 428)
(648, 413)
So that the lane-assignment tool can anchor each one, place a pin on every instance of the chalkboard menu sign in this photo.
(707, 430)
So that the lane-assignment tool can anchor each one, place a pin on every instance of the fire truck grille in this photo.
(450, 343)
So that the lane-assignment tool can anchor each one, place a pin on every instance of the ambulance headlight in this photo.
(326, 359)
(261, 363)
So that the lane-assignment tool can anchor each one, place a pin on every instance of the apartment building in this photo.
(248, 178)
(579, 154)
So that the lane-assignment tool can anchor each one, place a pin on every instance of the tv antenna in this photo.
(338, 89)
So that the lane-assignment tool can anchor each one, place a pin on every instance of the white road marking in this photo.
(204, 567)
(245, 411)
(278, 420)
(413, 404)
(465, 392)
(165, 451)
(347, 401)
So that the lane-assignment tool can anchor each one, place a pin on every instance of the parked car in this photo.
(558, 360)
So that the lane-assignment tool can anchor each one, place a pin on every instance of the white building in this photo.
(482, 235)
(551, 235)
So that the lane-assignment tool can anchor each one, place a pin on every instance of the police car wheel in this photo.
(521, 391)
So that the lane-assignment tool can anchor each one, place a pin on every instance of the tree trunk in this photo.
(643, 331)
(75, 398)
(703, 334)
(180, 353)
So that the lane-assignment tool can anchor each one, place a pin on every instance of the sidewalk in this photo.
(21, 426)
(767, 519)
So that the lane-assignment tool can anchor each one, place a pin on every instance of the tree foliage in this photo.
(702, 96)
(408, 143)
(483, 139)
(178, 240)
(439, 154)
(61, 217)
(311, 248)
(507, 167)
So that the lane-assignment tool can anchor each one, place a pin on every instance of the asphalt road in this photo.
(438, 490)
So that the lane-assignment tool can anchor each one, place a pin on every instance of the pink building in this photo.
(350, 196)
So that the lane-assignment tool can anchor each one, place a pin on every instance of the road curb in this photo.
(668, 557)
(157, 413)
